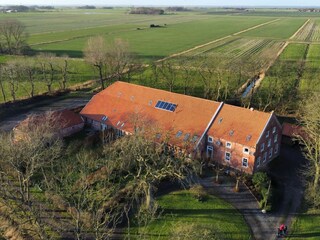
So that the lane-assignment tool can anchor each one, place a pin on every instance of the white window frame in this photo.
(274, 129)
(246, 152)
(268, 133)
(265, 156)
(269, 142)
(262, 147)
(209, 148)
(270, 153)
(243, 162)
(230, 145)
(210, 139)
(275, 138)
(225, 156)
(258, 161)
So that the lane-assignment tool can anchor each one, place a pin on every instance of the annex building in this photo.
(244, 139)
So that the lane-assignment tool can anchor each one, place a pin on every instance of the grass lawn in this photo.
(306, 226)
(184, 217)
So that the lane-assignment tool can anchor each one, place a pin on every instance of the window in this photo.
(270, 152)
(274, 129)
(195, 138)
(267, 135)
(246, 150)
(269, 142)
(275, 138)
(209, 151)
(276, 149)
(179, 133)
(210, 139)
(244, 162)
(264, 156)
(104, 118)
(262, 147)
(258, 161)
(186, 137)
(228, 145)
(227, 156)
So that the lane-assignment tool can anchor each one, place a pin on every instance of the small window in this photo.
(118, 123)
(276, 149)
(265, 156)
(122, 125)
(231, 133)
(104, 118)
(227, 156)
(269, 142)
(228, 145)
(186, 137)
(158, 135)
(275, 138)
(179, 133)
(270, 152)
(195, 138)
(210, 139)
(246, 150)
(258, 161)
(262, 147)
(267, 135)
(274, 129)
(244, 162)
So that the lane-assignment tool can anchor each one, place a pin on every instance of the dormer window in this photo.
(179, 133)
(228, 145)
(246, 150)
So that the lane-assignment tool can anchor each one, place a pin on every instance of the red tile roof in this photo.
(123, 102)
(240, 125)
(65, 117)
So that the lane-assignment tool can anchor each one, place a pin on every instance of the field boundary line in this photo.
(214, 41)
(305, 23)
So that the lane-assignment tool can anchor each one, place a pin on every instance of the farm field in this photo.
(310, 32)
(148, 43)
(185, 217)
(280, 86)
(282, 29)
(310, 80)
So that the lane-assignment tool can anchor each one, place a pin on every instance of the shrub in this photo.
(199, 193)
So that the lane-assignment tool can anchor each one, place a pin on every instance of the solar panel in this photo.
(158, 104)
(166, 106)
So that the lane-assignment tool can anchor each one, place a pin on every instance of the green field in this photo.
(282, 29)
(310, 79)
(306, 226)
(184, 217)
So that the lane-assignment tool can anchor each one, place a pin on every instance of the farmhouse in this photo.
(244, 139)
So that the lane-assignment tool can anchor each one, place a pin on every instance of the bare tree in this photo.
(12, 37)
(112, 60)
(95, 54)
(24, 154)
(29, 71)
(12, 74)
(168, 74)
(2, 84)
(63, 68)
(47, 63)
(310, 118)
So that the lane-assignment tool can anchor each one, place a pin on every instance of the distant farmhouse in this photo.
(243, 139)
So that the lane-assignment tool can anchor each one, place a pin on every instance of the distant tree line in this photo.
(178, 9)
(145, 10)
(87, 7)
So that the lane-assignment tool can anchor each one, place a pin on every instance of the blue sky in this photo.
(169, 2)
